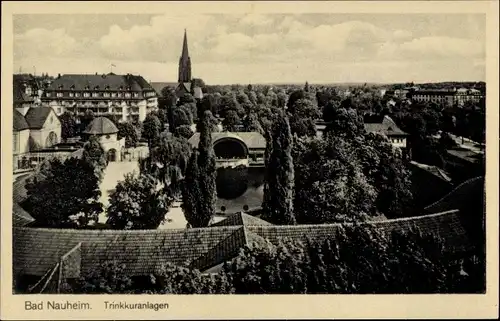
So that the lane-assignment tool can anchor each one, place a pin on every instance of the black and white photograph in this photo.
(248, 153)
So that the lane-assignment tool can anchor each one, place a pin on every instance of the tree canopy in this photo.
(138, 203)
(67, 196)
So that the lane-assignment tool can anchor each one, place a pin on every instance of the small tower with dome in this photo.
(107, 133)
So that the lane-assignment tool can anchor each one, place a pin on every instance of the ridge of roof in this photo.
(37, 116)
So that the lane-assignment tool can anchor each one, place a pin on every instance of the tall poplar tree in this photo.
(199, 190)
(278, 203)
(206, 163)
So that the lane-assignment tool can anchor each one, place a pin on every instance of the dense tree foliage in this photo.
(69, 125)
(278, 204)
(67, 196)
(167, 161)
(130, 132)
(330, 185)
(191, 194)
(231, 122)
(303, 117)
(94, 154)
(138, 203)
(251, 124)
(151, 129)
(183, 131)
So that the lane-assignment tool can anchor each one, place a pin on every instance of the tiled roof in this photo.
(19, 122)
(253, 140)
(433, 170)
(114, 82)
(19, 216)
(458, 196)
(36, 116)
(386, 127)
(465, 154)
(101, 126)
(37, 249)
(446, 225)
(241, 219)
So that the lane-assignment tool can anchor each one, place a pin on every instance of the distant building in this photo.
(107, 133)
(388, 128)
(38, 130)
(464, 95)
(128, 97)
(27, 91)
(452, 97)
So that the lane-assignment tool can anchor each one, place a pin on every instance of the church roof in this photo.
(36, 116)
(101, 126)
(19, 122)
(185, 51)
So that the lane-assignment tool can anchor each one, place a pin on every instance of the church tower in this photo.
(185, 63)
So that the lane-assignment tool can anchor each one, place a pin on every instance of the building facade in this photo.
(107, 133)
(455, 97)
(27, 92)
(388, 128)
(127, 97)
(34, 135)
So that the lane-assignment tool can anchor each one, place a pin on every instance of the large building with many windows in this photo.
(455, 97)
(127, 97)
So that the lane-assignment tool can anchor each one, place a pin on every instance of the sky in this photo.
(257, 48)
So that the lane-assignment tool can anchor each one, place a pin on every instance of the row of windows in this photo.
(104, 110)
(398, 140)
(96, 94)
(72, 87)
(70, 103)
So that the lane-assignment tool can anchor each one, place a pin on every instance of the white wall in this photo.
(399, 142)
(21, 141)
(52, 124)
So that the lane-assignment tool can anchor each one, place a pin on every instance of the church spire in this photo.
(185, 52)
(185, 62)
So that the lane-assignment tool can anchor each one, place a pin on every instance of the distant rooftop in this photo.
(385, 127)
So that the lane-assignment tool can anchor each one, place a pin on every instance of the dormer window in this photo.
(106, 88)
(128, 88)
(72, 87)
(87, 87)
(120, 88)
(96, 88)
(60, 87)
